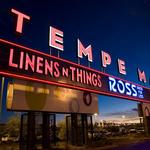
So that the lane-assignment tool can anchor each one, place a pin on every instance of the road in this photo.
(138, 146)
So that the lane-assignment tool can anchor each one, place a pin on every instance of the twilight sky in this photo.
(119, 27)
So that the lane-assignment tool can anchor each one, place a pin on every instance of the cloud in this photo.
(135, 109)
(128, 113)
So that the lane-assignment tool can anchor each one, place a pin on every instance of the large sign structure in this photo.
(45, 70)
(26, 95)
(21, 62)
(56, 41)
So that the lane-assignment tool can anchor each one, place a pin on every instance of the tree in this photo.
(61, 130)
(12, 126)
(2, 130)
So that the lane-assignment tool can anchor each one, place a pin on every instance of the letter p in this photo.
(106, 59)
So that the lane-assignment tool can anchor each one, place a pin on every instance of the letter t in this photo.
(20, 18)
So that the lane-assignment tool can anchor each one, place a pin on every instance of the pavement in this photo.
(136, 146)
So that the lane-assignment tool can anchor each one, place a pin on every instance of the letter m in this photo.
(85, 51)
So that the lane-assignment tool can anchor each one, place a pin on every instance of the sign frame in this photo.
(9, 74)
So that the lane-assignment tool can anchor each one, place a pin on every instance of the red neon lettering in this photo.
(142, 76)
(39, 64)
(94, 80)
(106, 59)
(99, 81)
(65, 72)
(11, 59)
(86, 51)
(79, 75)
(121, 66)
(72, 73)
(30, 62)
(89, 78)
(21, 60)
(49, 67)
(20, 19)
(56, 72)
(56, 38)
(84, 81)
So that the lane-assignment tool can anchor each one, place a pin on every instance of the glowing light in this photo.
(21, 87)
(43, 90)
(95, 114)
(10, 95)
(125, 88)
(123, 116)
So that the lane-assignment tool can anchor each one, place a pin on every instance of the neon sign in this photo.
(49, 98)
(125, 88)
(21, 62)
(33, 64)
(56, 41)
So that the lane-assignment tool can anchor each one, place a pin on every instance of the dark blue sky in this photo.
(119, 27)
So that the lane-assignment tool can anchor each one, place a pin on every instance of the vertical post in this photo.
(21, 134)
(89, 64)
(67, 130)
(50, 51)
(31, 131)
(79, 129)
(1, 93)
(79, 61)
(74, 129)
(45, 131)
(91, 124)
(147, 124)
(58, 54)
(84, 128)
(54, 128)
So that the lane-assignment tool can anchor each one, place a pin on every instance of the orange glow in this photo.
(21, 87)
(43, 90)
(9, 95)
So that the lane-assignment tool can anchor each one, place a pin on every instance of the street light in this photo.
(123, 116)
(95, 114)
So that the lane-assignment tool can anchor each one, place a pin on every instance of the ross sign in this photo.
(26, 95)
(21, 62)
